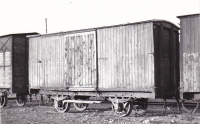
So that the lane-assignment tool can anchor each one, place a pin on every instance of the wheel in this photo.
(21, 99)
(124, 109)
(60, 107)
(80, 106)
(3, 101)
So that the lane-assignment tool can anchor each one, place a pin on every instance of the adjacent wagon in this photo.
(190, 57)
(14, 67)
(126, 64)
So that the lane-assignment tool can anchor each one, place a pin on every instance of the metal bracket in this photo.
(193, 110)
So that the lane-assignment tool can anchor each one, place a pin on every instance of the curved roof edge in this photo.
(30, 33)
(92, 29)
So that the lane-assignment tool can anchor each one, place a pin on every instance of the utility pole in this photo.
(46, 24)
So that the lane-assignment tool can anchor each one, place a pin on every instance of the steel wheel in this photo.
(60, 107)
(3, 101)
(124, 109)
(80, 106)
(21, 99)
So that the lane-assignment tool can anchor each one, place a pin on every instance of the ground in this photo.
(32, 113)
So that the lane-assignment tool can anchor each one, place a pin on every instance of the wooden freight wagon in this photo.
(13, 67)
(125, 64)
(190, 57)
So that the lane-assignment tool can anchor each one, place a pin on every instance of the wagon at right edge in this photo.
(190, 59)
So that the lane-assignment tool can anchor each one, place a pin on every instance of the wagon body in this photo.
(190, 56)
(124, 59)
(14, 63)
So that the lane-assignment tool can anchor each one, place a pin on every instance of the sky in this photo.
(22, 16)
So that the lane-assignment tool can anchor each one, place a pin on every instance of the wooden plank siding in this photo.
(190, 53)
(135, 57)
(6, 62)
(63, 61)
(125, 57)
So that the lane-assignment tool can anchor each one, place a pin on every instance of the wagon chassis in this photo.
(21, 98)
(122, 102)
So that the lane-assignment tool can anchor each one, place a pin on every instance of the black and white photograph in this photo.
(99, 61)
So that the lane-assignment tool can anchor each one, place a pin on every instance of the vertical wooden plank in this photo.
(66, 68)
(196, 56)
(139, 76)
(132, 38)
(123, 44)
(75, 82)
(106, 58)
(134, 47)
(147, 54)
(84, 60)
(89, 59)
(150, 43)
(109, 57)
(183, 47)
(192, 51)
(60, 61)
(151, 55)
(63, 59)
(57, 52)
(118, 64)
(142, 55)
(102, 60)
(48, 61)
(73, 58)
(144, 34)
(115, 54)
(77, 61)
(129, 60)
(121, 59)
(70, 62)
(186, 86)
(99, 40)
(127, 72)
(57, 80)
(104, 50)
(54, 69)
(93, 62)
(188, 50)
(138, 57)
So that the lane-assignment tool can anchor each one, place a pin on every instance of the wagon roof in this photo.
(92, 29)
(188, 15)
(30, 33)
